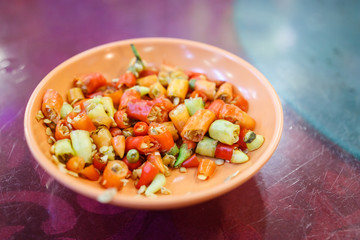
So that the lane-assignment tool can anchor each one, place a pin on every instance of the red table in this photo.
(309, 189)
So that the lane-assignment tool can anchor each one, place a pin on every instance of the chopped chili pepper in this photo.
(114, 172)
(241, 143)
(83, 122)
(241, 102)
(179, 116)
(193, 161)
(121, 119)
(148, 173)
(99, 112)
(190, 144)
(144, 144)
(198, 125)
(198, 93)
(206, 169)
(90, 173)
(128, 132)
(157, 90)
(156, 160)
(118, 143)
(142, 90)
(99, 161)
(102, 137)
(131, 166)
(71, 116)
(194, 104)
(207, 87)
(114, 95)
(51, 105)
(192, 74)
(186, 150)
(216, 106)
(174, 151)
(129, 96)
(148, 72)
(81, 104)
(148, 80)
(141, 128)
(224, 151)
(62, 131)
(166, 104)
(90, 82)
(115, 131)
(171, 127)
(218, 83)
(235, 115)
(132, 156)
(224, 131)
(128, 79)
(74, 95)
(162, 135)
(75, 164)
(66, 109)
(178, 88)
(225, 92)
(146, 111)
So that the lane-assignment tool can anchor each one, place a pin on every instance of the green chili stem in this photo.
(184, 154)
(138, 58)
(174, 150)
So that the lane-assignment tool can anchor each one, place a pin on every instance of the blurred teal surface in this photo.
(310, 52)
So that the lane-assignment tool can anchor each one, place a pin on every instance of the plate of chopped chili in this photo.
(153, 123)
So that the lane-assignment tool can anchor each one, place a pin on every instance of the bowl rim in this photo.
(163, 202)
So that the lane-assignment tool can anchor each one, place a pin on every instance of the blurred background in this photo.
(308, 50)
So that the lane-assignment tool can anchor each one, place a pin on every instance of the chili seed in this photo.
(142, 189)
(165, 191)
(219, 162)
(48, 131)
(202, 177)
(124, 181)
(47, 121)
(39, 115)
(107, 195)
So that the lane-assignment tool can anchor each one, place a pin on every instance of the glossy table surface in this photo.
(310, 188)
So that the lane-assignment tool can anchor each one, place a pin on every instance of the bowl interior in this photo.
(112, 60)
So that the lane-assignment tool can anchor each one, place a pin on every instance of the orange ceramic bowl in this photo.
(112, 60)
